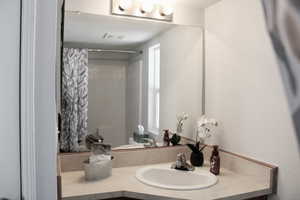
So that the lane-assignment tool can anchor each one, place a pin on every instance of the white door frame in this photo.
(37, 99)
(27, 86)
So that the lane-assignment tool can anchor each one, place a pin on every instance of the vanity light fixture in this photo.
(147, 7)
(150, 9)
(125, 4)
(166, 11)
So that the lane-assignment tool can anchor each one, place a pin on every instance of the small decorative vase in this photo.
(197, 159)
(175, 139)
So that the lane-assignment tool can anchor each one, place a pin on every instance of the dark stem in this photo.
(203, 147)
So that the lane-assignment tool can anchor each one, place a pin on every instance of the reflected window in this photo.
(154, 89)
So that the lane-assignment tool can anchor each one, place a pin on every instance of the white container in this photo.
(98, 170)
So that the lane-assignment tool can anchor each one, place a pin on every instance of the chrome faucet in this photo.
(181, 163)
(151, 141)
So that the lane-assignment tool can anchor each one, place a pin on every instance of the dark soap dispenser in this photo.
(166, 138)
(215, 161)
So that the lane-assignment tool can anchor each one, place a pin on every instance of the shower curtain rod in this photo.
(113, 51)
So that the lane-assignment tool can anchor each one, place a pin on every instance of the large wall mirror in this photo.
(127, 80)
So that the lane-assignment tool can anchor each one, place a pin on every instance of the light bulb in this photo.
(166, 10)
(147, 7)
(125, 4)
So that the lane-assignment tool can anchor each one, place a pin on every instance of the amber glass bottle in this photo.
(215, 161)
(166, 138)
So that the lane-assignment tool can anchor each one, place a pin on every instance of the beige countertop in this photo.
(231, 185)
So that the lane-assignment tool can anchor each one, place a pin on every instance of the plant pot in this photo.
(175, 139)
(197, 159)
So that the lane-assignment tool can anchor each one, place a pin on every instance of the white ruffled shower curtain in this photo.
(74, 98)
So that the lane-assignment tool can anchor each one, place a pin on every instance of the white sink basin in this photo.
(164, 177)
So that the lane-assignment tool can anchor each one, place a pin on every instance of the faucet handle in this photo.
(181, 160)
(181, 163)
(151, 141)
(182, 157)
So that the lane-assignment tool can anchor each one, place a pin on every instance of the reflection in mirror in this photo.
(133, 82)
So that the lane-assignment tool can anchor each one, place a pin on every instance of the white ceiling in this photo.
(195, 3)
(86, 30)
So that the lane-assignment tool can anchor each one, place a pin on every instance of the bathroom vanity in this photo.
(241, 178)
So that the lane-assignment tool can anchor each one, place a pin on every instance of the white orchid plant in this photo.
(180, 122)
(204, 125)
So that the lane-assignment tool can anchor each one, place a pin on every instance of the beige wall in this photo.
(134, 84)
(245, 91)
(180, 77)
(107, 100)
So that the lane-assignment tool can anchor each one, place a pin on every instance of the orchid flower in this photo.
(180, 122)
(203, 128)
